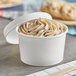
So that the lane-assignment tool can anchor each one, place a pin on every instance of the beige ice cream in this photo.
(42, 28)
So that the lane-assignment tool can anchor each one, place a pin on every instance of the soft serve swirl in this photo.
(42, 28)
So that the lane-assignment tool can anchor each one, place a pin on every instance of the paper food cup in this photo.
(40, 51)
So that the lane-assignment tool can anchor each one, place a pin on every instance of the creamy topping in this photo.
(42, 28)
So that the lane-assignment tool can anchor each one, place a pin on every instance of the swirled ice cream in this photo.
(42, 28)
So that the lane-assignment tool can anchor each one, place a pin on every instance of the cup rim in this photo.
(49, 37)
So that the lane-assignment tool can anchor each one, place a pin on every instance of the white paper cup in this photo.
(42, 51)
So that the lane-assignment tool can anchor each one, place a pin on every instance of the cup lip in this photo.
(49, 37)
